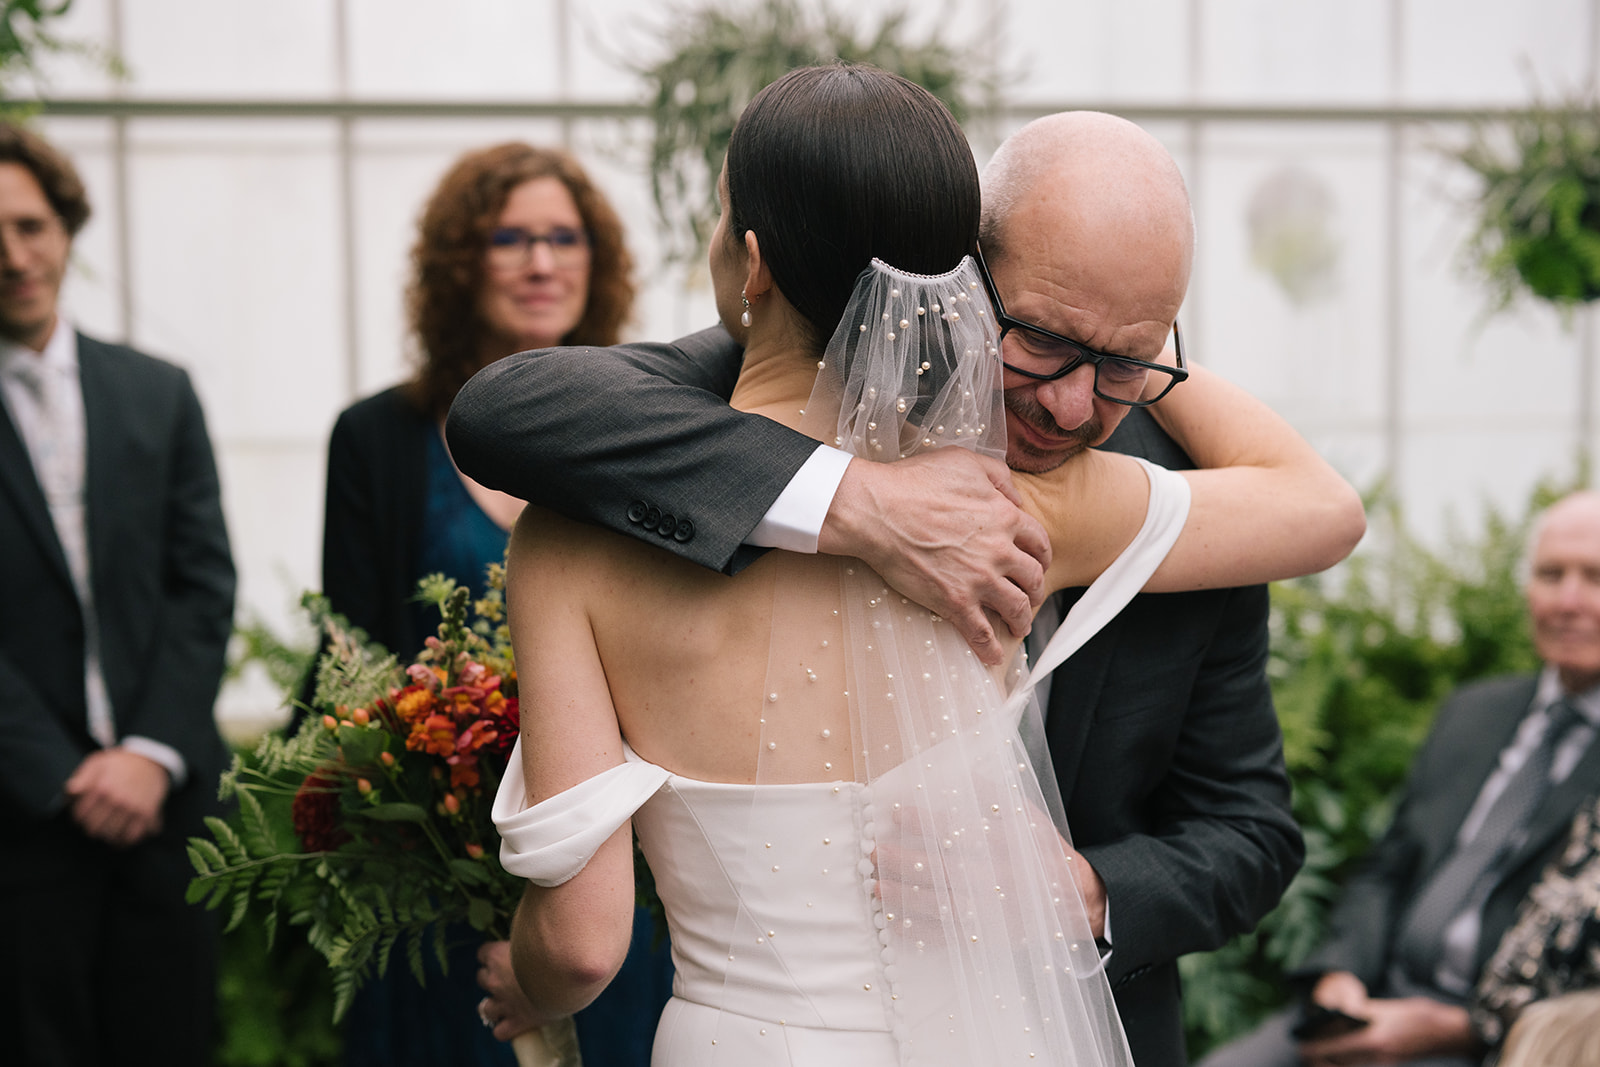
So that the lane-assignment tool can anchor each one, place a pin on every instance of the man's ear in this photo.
(758, 278)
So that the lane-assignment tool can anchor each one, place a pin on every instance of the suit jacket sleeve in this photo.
(39, 753)
(1222, 844)
(176, 706)
(591, 432)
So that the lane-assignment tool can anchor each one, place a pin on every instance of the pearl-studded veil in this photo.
(987, 955)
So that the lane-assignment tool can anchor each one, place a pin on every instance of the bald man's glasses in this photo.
(1045, 356)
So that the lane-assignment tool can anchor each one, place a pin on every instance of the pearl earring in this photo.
(744, 317)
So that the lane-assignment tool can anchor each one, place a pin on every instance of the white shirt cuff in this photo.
(794, 522)
(1106, 937)
(165, 755)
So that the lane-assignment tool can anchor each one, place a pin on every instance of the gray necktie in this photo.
(57, 455)
(1462, 879)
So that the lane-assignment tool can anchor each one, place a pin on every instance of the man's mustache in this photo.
(1027, 408)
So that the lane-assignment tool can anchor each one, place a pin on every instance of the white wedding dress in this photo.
(919, 911)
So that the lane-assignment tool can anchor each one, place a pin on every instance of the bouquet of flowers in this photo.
(370, 826)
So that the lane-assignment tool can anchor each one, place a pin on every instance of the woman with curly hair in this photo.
(516, 249)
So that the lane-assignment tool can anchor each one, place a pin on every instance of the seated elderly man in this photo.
(1489, 804)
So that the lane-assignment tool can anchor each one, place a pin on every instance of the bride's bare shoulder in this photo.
(547, 541)
(1091, 506)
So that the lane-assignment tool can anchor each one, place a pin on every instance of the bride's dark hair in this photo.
(831, 166)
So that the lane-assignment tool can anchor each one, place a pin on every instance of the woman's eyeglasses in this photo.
(511, 247)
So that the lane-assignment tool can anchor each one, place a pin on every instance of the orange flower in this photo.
(463, 772)
(413, 703)
(435, 735)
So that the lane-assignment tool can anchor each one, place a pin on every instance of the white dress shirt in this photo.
(794, 521)
(43, 394)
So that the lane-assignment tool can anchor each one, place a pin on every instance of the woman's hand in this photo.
(505, 1008)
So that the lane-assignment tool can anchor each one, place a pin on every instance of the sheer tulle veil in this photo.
(987, 952)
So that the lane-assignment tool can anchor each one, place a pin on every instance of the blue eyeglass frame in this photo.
(559, 238)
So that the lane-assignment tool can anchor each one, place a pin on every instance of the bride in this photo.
(859, 860)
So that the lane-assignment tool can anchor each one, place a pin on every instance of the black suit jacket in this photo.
(1162, 729)
(163, 585)
(1473, 726)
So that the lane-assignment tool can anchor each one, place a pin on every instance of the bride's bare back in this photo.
(683, 651)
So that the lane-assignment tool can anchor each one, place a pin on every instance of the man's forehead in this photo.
(21, 195)
(1570, 529)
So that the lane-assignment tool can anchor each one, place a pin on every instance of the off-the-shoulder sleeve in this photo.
(551, 842)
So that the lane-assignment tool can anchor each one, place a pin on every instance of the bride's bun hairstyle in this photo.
(831, 166)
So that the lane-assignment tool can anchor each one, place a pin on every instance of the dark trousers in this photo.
(101, 960)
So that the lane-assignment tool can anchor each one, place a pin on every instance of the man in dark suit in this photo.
(1161, 729)
(1488, 805)
(118, 606)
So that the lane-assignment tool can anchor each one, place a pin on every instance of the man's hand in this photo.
(1397, 1030)
(505, 1008)
(945, 528)
(1091, 888)
(117, 795)
(1342, 991)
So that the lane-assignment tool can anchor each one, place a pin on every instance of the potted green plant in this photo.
(1538, 227)
(718, 57)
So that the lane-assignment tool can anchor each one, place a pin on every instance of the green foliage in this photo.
(361, 829)
(25, 37)
(1539, 211)
(1360, 662)
(273, 1001)
(718, 58)
(285, 660)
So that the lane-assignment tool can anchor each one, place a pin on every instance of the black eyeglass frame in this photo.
(1007, 323)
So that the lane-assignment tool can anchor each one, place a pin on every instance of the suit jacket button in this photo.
(636, 511)
(652, 516)
(684, 532)
(666, 526)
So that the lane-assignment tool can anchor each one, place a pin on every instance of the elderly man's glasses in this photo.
(1045, 356)
(511, 248)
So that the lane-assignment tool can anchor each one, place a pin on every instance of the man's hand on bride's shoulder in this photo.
(945, 528)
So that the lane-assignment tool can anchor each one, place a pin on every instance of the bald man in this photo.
(1161, 729)
(1491, 796)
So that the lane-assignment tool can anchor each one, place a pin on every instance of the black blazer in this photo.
(1162, 729)
(162, 578)
(1474, 725)
(372, 525)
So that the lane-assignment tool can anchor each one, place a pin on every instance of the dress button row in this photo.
(654, 520)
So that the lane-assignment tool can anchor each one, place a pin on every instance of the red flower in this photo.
(315, 812)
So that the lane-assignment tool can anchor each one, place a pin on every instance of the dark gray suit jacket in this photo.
(1162, 729)
(1473, 727)
(163, 586)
